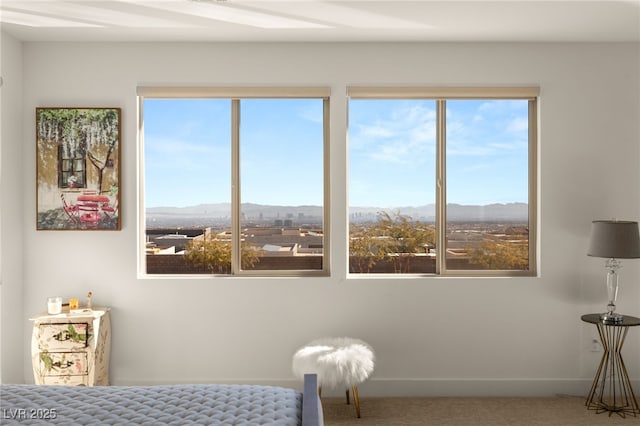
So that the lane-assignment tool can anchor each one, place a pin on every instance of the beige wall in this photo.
(432, 336)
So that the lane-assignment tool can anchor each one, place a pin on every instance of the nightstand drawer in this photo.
(63, 337)
(63, 363)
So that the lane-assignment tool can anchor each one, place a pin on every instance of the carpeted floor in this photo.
(558, 411)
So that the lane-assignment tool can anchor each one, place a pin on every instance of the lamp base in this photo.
(611, 318)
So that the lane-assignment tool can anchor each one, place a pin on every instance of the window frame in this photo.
(65, 172)
(440, 95)
(235, 95)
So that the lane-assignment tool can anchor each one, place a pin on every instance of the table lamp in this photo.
(613, 240)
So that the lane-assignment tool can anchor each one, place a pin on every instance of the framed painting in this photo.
(78, 168)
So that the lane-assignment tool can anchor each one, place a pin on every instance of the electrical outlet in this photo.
(596, 346)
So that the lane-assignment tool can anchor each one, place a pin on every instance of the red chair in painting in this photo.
(71, 210)
(110, 209)
(88, 212)
(91, 204)
(89, 215)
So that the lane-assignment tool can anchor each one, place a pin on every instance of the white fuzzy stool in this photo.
(338, 361)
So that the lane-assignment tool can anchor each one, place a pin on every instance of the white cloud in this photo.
(376, 131)
(179, 154)
(404, 138)
(314, 115)
(518, 124)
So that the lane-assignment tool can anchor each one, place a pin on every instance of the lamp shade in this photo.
(614, 239)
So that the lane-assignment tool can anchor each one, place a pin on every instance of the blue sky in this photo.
(188, 151)
(391, 152)
(487, 151)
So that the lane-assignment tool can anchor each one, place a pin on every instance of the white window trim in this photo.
(257, 92)
(440, 95)
(235, 94)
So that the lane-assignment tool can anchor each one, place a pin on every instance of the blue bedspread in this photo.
(150, 405)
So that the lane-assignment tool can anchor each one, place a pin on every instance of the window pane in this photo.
(282, 184)
(487, 186)
(78, 165)
(187, 185)
(392, 169)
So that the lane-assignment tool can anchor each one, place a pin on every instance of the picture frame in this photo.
(78, 168)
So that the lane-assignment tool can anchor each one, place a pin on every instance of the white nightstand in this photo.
(71, 349)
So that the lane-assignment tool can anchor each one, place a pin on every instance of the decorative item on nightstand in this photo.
(614, 240)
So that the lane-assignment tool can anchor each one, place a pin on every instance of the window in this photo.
(71, 173)
(233, 181)
(442, 181)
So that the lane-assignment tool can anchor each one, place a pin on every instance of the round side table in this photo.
(611, 389)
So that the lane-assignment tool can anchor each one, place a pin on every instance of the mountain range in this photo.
(455, 212)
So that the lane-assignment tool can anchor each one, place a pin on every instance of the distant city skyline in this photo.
(391, 148)
(220, 214)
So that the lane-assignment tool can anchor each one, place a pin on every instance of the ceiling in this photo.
(321, 21)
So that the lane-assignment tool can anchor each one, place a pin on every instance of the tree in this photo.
(214, 255)
(404, 238)
(100, 154)
(398, 238)
(365, 250)
(79, 133)
(492, 255)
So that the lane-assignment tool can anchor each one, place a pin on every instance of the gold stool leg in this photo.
(347, 392)
(356, 400)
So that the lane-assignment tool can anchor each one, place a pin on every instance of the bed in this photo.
(188, 404)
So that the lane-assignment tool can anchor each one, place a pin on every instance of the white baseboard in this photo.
(475, 387)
